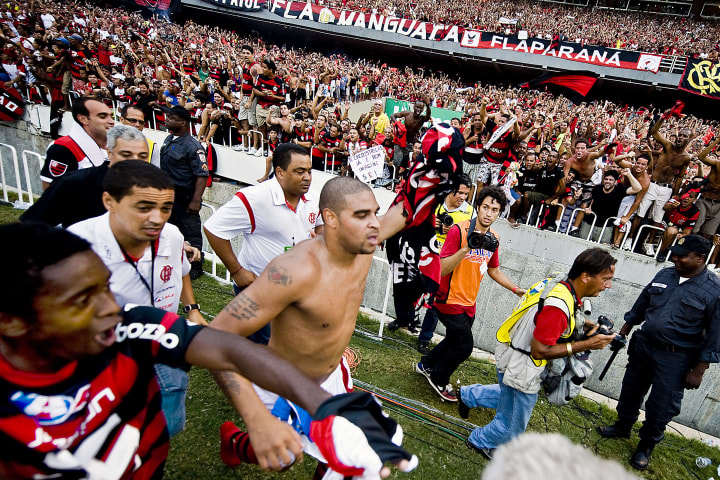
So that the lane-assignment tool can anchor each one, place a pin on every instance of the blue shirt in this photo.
(685, 315)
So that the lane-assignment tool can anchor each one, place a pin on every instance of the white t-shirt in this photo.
(270, 226)
(48, 20)
(125, 283)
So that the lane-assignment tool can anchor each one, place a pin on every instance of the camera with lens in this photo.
(444, 220)
(484, 241)
(605, 327)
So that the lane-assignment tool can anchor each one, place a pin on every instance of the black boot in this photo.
(641, 457)
(616, 430)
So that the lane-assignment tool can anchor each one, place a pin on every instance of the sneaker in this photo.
(574, 232)
(627, 246)
(414, 329)
(446, 393)
(394, 325)
(485, 452)
(259, 152)
(239, 147)
(649, 249)
(423, 347)
(228, 436)
(422, 370)
(252, 151)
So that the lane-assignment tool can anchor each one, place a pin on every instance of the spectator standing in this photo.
(183, 158)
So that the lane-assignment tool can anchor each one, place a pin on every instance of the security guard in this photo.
(183, 158)
(679, 338)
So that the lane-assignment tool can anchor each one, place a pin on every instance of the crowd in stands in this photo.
(646, 32)
(249, 94)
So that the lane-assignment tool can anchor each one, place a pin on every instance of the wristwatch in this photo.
(193, 306)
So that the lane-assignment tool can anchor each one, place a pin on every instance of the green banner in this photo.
(437, 114)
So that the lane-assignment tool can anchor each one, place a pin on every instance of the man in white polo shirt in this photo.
(146, 258)
(273, 216)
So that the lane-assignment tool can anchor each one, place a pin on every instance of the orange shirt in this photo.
(458, 290)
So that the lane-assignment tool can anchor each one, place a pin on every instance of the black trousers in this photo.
(661, 372)
(457, 346)
(188, 223)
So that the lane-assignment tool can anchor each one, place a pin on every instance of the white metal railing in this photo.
(26, 154)
(209, 253)
(18, 184)
(638, 234)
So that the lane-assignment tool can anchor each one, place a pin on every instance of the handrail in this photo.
(637, 235)
(25, 155)
(18, 184)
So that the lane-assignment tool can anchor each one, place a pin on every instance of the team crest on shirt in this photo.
(50, 410)
(312, 217)
(57, 168)
(166, 273)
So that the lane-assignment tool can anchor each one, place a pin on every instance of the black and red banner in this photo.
(574, 84)
(701, 77)
(468, 38)
(11, 104)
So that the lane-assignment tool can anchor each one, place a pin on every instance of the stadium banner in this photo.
(701, 77)
(437, 115)
(242, 5)
(596, 55)
(12, 105)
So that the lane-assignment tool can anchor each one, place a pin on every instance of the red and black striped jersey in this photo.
(247, 79)
(275, 85)
(100, 414)
(307, 136)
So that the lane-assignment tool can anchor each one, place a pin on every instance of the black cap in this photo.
(298, 116)
(181, 112)
(691, 243)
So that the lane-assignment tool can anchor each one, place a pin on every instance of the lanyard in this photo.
(151, 286)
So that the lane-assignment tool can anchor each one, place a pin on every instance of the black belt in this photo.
(669, 347)
(668, 185)
(711, 200)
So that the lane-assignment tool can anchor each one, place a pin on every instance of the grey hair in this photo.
(536, 456)
(125, 132)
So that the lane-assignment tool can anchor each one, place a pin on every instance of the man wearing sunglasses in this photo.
(133, 116)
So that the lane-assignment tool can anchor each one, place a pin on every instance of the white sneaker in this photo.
(649, 249)
(259, 153)
(627, 246)
(252, 151)
(239, 147)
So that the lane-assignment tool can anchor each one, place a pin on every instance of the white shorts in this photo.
(488, 172)
(657, 196)
(338, 382)
(244, 113)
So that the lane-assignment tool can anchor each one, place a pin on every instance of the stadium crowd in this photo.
(646, 32)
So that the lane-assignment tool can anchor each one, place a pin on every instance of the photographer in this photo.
(454, 209)
(679, 338)
(534, 333)
(470, 250)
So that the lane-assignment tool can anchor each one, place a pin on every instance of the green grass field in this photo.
(386, 365)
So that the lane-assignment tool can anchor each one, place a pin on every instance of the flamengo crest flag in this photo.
(701, 77)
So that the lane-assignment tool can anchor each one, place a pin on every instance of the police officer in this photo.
(183, 158)
(679, 338)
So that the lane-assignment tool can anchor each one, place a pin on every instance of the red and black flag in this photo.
(573, 85)
(11, 104)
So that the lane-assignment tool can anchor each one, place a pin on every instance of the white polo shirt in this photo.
(125, 283)
(270, 225)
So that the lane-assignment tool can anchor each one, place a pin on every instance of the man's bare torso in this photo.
(584, 168)
(670, 164)
(313, 333)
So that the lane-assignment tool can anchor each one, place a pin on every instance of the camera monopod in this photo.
(617, 344)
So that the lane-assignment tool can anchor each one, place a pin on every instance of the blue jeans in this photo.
(262, 336)
(173, 388)
(512, 412)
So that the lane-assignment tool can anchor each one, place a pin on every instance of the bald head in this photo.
(335, 192)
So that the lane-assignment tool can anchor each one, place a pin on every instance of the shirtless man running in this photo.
(312, 319)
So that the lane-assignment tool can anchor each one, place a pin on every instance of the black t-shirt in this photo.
(548, 180)
(605, 205)
(528, 179)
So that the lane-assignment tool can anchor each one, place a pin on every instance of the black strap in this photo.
(149, 286)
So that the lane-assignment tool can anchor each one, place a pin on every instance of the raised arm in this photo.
(702, 156)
